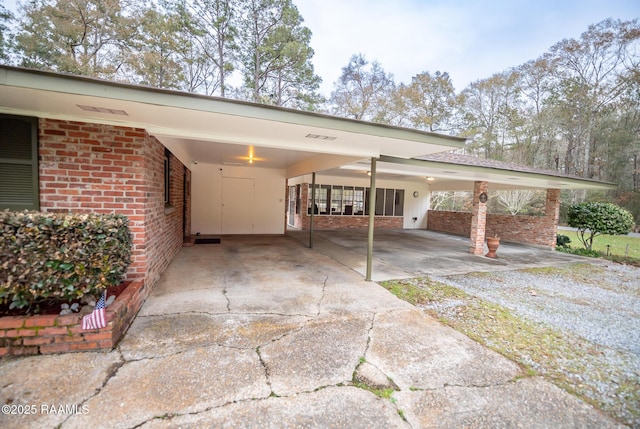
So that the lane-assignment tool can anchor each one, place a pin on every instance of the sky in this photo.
(469, 39)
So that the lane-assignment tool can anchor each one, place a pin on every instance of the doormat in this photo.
(207, 241)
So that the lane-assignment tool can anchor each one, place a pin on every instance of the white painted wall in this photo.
(206, 197)
(413, 207)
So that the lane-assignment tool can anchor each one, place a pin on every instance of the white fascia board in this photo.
(83, 86)
(496, 175)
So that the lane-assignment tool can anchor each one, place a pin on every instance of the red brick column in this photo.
(552, 214)
(478, 219)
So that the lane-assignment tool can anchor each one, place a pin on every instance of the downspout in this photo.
(372, 215)
(313, 208)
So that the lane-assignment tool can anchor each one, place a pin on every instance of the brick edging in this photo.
(46, 334)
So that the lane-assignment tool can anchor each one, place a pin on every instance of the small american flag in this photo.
(96, 319)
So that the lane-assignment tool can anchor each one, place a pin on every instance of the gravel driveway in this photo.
(597, 301)
(600, 303)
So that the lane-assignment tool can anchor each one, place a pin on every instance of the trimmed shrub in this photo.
(562, 240)
(60, 257)
(594, 218)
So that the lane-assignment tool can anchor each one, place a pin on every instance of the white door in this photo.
(237, 205)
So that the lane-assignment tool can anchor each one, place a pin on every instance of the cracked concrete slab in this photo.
(333, 407)
(359, 296)
(373, 378)
(530, 403)
(230, 325)
(209, 301)
(324, 352)
(416, 351)
(163, 335)
(187, 382)
(51, 381)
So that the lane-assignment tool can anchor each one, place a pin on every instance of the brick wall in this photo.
(45, 334)
(537, 230)
(457, 223)
(187, 201)
(111, 169)
(163, 224)
(346, 222)
(522, 229)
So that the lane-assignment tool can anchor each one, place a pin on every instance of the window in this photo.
(323, 193)
(389, 201)
(347, 200)
(354, 201)
(167, 177)
(379, 202)
(399, 203)
(358, 201)
(19, 163)
(336, 200)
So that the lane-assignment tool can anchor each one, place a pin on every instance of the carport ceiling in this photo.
(204, 129)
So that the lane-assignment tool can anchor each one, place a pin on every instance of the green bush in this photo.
(60, 257)
(562, 240)
(580, 251)
(594, 218)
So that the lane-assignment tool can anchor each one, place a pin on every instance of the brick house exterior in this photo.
(84, 167)
(111, 169)
(87, 163)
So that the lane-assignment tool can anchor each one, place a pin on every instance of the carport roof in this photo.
(456, 172)
(212, 129)
(223, 131)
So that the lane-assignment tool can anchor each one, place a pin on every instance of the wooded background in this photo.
(574, 110)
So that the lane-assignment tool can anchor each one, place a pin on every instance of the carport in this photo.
(447, 171)
(241, 155)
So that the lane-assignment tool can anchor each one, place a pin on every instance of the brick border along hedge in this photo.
(46, 334)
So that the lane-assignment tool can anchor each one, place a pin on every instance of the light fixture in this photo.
(430, 179)
(368, 173)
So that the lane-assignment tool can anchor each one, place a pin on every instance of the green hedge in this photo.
(59, 257)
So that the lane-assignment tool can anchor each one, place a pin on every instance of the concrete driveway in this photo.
(262, 332)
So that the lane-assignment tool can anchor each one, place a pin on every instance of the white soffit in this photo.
(190, 123)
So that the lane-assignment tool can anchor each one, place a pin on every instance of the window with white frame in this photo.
(335, 200)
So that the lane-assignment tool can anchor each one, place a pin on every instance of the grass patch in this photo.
(627, 260)
(412, 291)
(579, 273)
(618, 244)
(382, 393)
(572, 363)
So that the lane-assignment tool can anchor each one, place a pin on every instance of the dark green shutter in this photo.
(18, 163)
